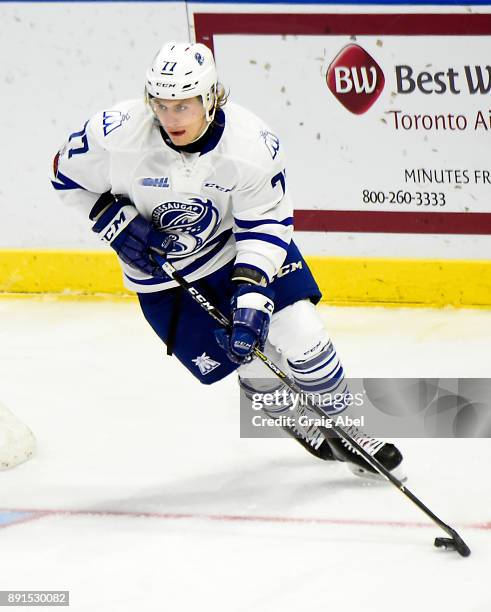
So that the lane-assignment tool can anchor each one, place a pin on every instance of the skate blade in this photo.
(357, 470)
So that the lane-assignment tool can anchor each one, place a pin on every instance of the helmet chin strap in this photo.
(208, 115)
(202, 133)
(210, 112)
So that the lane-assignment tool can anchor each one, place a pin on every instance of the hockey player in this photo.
(178, 174)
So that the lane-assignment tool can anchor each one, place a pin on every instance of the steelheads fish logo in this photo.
(191, 223)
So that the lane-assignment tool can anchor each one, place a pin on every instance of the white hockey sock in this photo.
(322, 378)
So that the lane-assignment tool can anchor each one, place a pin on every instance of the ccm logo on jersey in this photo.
(223, 189)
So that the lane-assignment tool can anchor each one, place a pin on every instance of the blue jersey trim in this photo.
(65, 183)
(147, 281)
(85, 143)
(220, 240)
(263, 237)
(216, 132)
(250, 224)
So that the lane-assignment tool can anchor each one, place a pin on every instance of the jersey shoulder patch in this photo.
(119, 124)
(271, 141)
(252, 139)
(112, 120)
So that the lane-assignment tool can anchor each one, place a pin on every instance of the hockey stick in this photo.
(454, 542)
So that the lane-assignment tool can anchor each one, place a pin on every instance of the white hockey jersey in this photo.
(227, 201)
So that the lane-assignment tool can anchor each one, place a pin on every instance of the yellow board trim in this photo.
(52, 271)
(343, 280)
(408, 282)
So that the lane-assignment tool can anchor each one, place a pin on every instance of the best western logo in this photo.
(476, 78)
(355, 79)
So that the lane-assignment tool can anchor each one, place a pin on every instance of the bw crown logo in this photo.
(355, 79)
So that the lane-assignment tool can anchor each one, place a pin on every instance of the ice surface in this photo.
(142, 496)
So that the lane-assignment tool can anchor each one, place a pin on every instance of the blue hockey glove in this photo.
(252, 307)
(132, 237)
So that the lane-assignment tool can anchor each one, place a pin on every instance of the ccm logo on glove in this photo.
(252, 307)
(118, 224)
(134, 239)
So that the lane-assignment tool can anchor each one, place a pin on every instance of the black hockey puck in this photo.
(446, 543)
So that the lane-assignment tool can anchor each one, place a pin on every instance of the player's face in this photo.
(183, 120)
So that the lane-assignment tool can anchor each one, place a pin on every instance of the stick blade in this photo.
(455, 543)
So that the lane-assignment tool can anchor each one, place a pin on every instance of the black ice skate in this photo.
(312, 440)
(385, 452)
(309, 436)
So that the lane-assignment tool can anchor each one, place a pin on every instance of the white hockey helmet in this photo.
(184, 70)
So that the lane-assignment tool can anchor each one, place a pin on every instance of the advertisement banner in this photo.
(386, 118)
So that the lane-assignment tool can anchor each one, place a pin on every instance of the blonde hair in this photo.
(222, 96)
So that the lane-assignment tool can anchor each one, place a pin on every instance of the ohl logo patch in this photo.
(355, 79)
